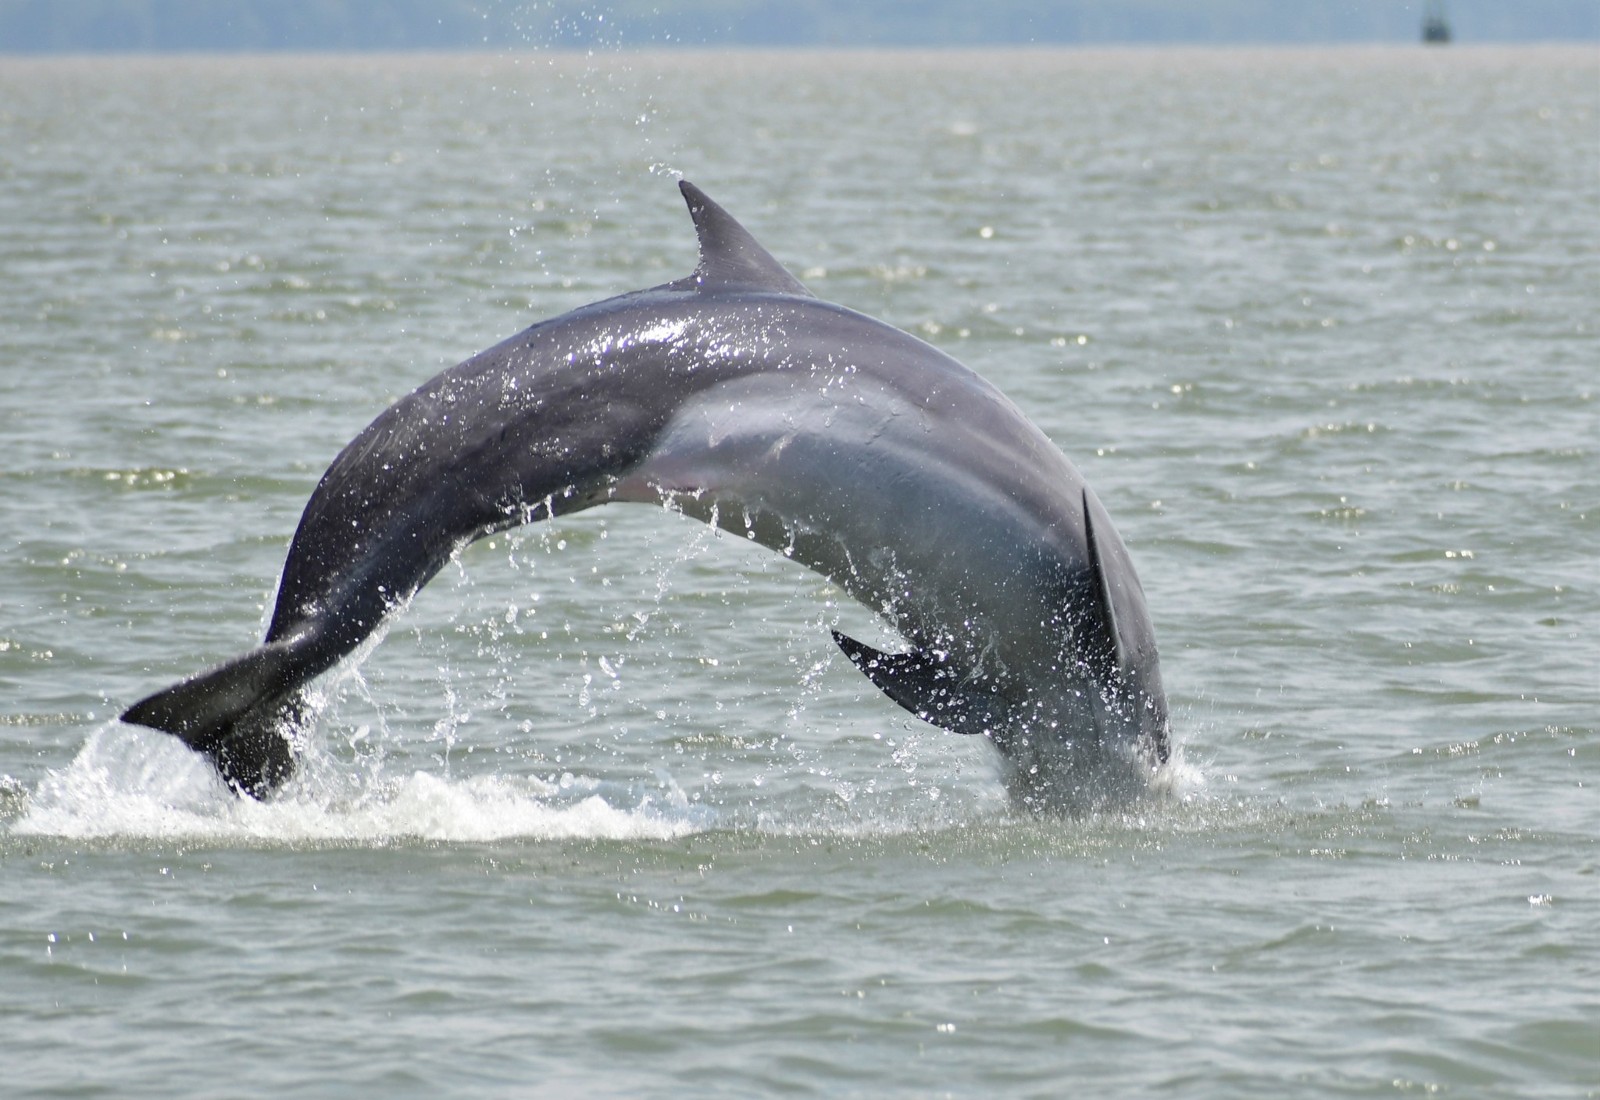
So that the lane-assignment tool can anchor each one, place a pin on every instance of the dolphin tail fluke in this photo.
(923, 684)
(236, 715)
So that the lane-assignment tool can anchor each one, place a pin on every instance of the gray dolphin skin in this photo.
(857, 450)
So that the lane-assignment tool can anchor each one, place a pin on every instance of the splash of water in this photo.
(129, 784)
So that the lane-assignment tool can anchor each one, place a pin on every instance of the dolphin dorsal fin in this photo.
(730, 258)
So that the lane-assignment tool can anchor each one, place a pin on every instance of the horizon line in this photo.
(616, 49)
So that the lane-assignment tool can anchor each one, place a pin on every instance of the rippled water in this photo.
(606, 813)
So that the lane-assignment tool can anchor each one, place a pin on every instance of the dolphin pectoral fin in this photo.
(1103, 650)
(236, 715)
(730, 258)
(925, 685)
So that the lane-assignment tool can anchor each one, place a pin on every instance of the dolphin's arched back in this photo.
(861, 451)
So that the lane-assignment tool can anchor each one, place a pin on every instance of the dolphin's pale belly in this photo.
(839, 475)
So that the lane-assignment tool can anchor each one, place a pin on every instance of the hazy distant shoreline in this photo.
(32, 27)
(1574, 50)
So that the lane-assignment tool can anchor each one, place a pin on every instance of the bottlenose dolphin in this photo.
(733, 393)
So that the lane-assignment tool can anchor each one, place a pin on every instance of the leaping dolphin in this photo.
(858, 450)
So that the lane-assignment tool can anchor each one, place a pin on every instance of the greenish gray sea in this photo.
(606, 813)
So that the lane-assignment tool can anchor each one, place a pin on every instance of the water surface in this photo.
(606, 813)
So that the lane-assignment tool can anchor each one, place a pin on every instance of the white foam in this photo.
(125, 783)
(1179, 779)
(130, 784)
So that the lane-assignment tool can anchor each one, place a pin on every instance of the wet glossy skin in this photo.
(858, 450)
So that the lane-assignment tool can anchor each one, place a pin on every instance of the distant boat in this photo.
(1435, 26)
